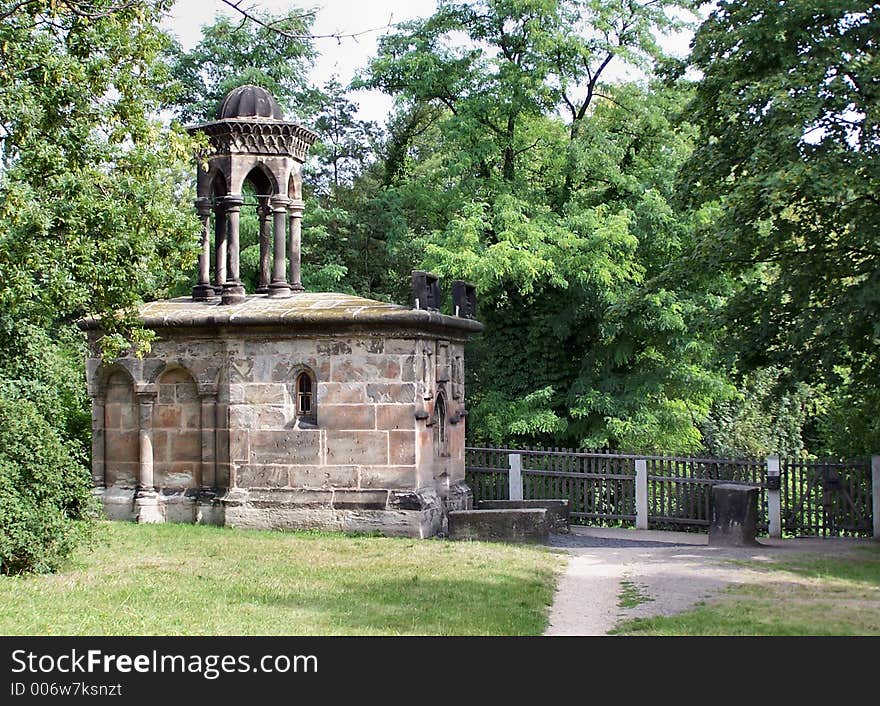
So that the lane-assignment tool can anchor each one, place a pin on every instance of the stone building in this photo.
(281, 408)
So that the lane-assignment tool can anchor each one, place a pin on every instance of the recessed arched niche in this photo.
(177, 432)
(120, 431)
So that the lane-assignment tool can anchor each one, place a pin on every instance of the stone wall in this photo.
(121, 432)
(177, 432)
(227, 445)
(364, 435)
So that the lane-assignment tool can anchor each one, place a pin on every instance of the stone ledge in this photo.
(327, 313)
(522, 525)
(557, 511)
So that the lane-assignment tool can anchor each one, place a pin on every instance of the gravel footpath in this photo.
(674, 569)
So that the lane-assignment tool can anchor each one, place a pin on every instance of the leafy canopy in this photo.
(92, 212)
(790, 150)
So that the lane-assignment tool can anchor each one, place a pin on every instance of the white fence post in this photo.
(774, 498)
(875, 493)
(641, 494)
(514, 478)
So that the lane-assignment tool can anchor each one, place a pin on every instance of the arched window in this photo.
(305, 397)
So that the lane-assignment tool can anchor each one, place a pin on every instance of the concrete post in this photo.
(875, 493)
(295, 212)
(263, 211)
(279, 286)
(774, 502)
(514, 478)
(641, 494)
(203, 290)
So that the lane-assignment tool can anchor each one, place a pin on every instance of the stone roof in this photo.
(305, 312)
(249, 102)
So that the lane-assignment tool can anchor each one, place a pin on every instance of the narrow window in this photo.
(441, 430)
(305, 401)
(441, 420)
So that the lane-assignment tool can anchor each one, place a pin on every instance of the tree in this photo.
(93, 217)
(521, 59)
(275, 53)
(788, 164)
(550, 188)
(346, 145)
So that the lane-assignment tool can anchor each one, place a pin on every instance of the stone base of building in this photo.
(418, 513)
(157, 507)
(404, 513)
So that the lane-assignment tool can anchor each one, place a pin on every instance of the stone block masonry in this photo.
(314, 411)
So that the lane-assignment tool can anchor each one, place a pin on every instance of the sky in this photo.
(342, 57)
(337, 57)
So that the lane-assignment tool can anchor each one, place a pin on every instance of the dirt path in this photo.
(674, 570)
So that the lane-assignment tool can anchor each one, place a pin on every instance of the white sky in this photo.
(342, 58)
(337, 57)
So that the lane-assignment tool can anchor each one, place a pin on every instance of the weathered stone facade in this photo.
(283, 409)
(206, 427)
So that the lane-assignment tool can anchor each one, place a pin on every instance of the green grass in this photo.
(197, 580)
(631, 595)
(803, 596)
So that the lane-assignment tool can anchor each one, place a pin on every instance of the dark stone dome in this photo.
(250, 102)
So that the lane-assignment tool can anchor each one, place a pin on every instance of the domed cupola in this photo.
(250, 141)
(249, 102)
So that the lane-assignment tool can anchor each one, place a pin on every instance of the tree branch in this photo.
(526, 149)
(248, 14)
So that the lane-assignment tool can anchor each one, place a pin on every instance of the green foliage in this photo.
(92, 215)
(788, 153)
(232, 53)
(345, 145)
(45, 497)
(499, 421)
(49, 371)
(765, 415)
(93, 218)
(518, 168)
(848, 424)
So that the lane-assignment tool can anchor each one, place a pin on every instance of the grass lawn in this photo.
(803, 596)
(180, 579)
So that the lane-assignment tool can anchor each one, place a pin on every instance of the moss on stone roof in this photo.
(314, 312)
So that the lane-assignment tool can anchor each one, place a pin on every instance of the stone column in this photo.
(206, 505)
(219, 245)
(208, 479)
(263, 211)
(295, 212)
(279, 286)
(222, 473)
(146, 503)
(203, 290)
(233, 291)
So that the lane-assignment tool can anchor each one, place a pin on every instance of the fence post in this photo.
(774, 501)
(514, 478)
(875, 493)
(641, 494)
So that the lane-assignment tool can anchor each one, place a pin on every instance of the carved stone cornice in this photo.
(267, 137)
